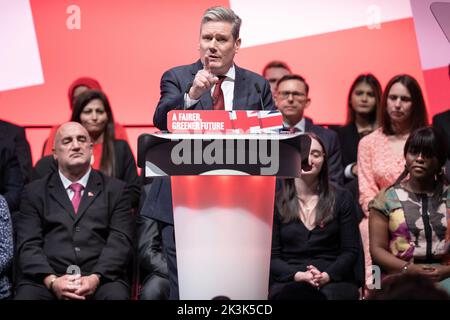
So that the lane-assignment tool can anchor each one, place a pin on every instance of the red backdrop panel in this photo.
(438, 88)
(330, 62)
(126, 45)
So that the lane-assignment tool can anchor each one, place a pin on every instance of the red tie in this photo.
(218, 99)
(294, 130)
(76, 188)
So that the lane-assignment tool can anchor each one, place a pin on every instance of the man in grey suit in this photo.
(193, 86)
(214, 82)
(74, 219)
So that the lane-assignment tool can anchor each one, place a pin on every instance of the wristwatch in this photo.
(50, 285)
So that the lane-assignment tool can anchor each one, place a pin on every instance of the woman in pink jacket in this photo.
(380, 154)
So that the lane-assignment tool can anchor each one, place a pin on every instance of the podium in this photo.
(223, 191)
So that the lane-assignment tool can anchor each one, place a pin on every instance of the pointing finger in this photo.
(206, 67)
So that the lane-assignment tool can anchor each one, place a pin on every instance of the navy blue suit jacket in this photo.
(176, 81)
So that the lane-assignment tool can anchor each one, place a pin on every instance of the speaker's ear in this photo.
(305, 148)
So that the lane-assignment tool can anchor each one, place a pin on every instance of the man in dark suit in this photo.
(74, 219)
(292, 99)
(11, 179)
(212, 83)
(194, 86)
(441, 122)
(23, 151)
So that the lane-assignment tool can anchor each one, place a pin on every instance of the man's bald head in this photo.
(72, 149)
(68, 126)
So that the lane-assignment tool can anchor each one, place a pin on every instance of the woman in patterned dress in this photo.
(409, 220)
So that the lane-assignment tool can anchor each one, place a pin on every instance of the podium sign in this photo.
(223, 191)
(237, 121)
(222, 154)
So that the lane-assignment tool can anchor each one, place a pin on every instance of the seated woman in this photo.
(6, 249)
(77, 87)
(380, 154)
(408, 221)
(316, 241)
(111, 156)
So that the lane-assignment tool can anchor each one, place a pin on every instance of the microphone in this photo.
(258, 89)
(187, 92)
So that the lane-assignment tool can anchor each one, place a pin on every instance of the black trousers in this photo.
(304, 291)
(155, 287)
(116, 290)
(168, 240)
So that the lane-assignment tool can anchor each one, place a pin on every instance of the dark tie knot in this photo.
(76, 187)
(221, 79)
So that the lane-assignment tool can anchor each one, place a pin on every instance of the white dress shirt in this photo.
(227, 88)
(66, 183)
(299, 125)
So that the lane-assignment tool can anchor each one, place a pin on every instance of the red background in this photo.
(127, 45)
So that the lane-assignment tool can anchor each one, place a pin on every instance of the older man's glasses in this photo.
(295, 95)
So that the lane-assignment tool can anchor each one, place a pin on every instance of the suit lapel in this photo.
(92, 191)
(308, 125)
(206, 101)
(241, 93)
(59, 194)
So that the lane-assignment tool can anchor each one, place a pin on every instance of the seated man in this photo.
(11, 178)
(22, 148)
(291, 99)
(441, 122)
(74, 219)
(153, 272)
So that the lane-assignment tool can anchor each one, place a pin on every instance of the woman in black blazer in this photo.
(315, 242)
(363, 102)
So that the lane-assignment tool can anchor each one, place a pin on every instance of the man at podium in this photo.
(214, 82)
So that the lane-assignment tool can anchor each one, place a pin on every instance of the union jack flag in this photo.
(256, 121)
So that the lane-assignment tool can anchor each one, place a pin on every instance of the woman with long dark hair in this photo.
(409, 221)
(77, 87)
(316, 242)
(380, 154)
(93, 111)
(363, 102)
